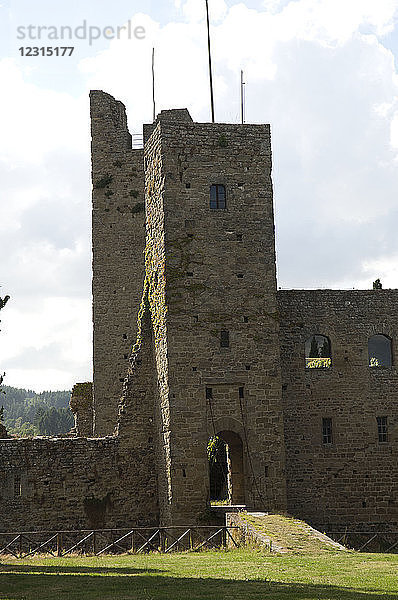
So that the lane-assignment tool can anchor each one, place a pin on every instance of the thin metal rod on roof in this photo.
(242, 97)
(153, 84)
(210, 67)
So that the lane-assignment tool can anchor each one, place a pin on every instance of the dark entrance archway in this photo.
(226, 468)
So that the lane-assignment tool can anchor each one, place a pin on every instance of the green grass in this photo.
(287, 532)
(241, 574)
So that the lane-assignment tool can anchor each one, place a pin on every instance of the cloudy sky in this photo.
(322, 72)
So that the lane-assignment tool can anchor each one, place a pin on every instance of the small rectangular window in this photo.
(217, 196)
(224, 339)
(382, 429)
(209, 393)
(17, 486)
(327, 431)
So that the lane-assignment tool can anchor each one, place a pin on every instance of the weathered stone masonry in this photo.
(355, 479)
(191, 338)
(118, 241)
(214, 271)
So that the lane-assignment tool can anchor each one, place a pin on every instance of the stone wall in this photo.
(118, 244)
(353, 480)
(81, 405)
(75, 483)
(72, 483)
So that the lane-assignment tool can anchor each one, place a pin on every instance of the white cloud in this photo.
(48, 342)
(41, 118)
(316, 69)
(384, 268)
(44, 229)
(195, 11)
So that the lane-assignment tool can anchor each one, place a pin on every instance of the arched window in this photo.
(318, 352)
(379, 350)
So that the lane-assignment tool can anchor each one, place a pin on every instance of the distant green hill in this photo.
(27, 413)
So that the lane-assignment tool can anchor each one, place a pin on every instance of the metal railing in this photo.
(367, 541)
(134, 540)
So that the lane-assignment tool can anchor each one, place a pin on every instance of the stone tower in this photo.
(118, 230)
(210, 291)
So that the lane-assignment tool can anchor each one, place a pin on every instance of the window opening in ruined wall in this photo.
(379, 351)
(318, 352)
(217, 196)
(382, 429)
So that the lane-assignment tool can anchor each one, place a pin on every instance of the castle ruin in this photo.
(192, 339)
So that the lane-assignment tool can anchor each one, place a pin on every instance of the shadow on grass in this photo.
(65, 569)
(35, 582)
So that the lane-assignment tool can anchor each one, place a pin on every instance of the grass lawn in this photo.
(240, 574)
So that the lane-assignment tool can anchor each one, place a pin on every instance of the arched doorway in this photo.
(225, 452)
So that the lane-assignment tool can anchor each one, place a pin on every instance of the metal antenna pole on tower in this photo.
(153, 84)
(210, 68)
(242, 97)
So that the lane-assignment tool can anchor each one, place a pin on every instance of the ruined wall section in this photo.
(75, 483)
(154, 295)
(220, 275)
(354, 480)
(136, 419)
(81, 405)
(118, 243)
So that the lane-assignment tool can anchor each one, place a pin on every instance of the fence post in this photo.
(132, 542)
(59, 544)
(94, 542)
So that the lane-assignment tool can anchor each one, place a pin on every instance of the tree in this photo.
(3, 302)
(325, 351)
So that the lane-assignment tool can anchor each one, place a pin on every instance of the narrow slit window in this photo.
(17, 486)
(217, 196)
(382, 429)
(327, 434)
(224, 339)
